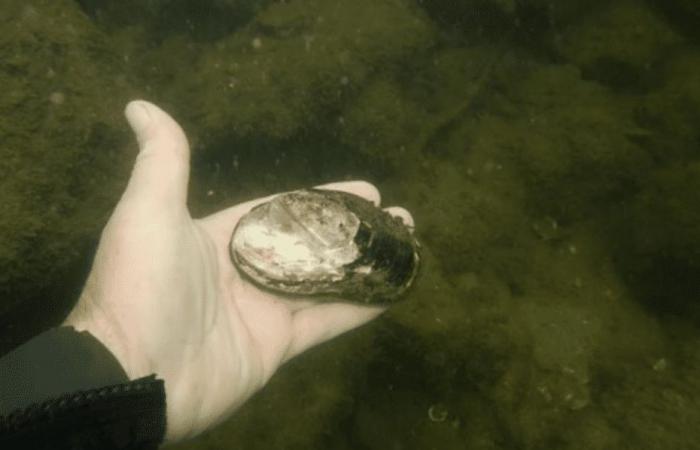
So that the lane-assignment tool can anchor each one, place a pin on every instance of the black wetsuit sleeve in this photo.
(63, 389)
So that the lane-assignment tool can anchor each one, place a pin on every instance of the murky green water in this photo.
(549, 152)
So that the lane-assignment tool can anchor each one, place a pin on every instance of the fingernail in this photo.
(138, 116)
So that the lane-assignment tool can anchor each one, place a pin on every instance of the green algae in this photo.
(58, 144)
(295, 62)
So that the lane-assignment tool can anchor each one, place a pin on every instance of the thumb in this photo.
(162, 167)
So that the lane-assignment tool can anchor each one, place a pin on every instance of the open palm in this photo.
(165, 298)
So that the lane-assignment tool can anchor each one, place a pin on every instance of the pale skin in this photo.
(165, 299)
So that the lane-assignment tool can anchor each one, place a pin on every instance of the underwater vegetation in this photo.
(548, 151)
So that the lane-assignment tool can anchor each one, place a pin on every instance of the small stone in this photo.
(660, 365)
(57, 98)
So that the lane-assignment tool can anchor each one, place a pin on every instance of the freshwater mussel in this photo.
(327, 244)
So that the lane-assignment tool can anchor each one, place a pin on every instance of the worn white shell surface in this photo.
(288, 239)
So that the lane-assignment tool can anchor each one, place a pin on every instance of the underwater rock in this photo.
(327, 243)
(62, 163)
(619, 44)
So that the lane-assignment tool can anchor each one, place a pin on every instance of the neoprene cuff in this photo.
(64, 389)
(57, 361)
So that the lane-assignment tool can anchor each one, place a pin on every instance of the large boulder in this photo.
(60, 152)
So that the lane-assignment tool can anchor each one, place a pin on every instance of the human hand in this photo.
(164, 297)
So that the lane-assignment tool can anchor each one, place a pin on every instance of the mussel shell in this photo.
(325, 243)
